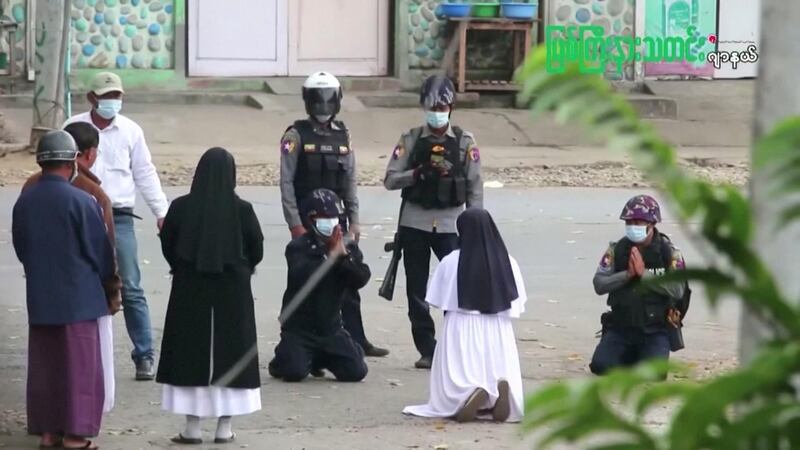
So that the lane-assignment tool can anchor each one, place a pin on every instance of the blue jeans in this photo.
(134, 304)
(627, 347)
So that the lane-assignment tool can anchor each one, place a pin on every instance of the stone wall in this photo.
(429, 35)
(121, 34)
(109, 34)
(15, 10)
(615, 16)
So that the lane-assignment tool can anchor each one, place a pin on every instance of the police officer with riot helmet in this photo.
(643, 317)
(437, 167)
(316, 153)
(312, 336)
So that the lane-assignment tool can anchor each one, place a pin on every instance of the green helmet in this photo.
(56, 145)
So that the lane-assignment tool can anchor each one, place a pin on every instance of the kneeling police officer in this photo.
(312, 336)
(642, 316)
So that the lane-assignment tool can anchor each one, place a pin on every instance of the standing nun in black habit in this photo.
(212, 241)
(476, 363)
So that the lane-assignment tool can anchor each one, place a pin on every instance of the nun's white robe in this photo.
(473, 350)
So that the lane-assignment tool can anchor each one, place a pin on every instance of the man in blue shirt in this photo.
(60, 238)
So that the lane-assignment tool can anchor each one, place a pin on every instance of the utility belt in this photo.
(125, 212)
(675, 334)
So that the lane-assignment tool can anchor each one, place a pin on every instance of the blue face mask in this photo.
(636, 233)
(326, 226)
(437, 119)
(108, 108)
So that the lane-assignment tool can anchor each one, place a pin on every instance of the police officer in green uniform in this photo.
(438, 168)
(637, 327)
(316, 153)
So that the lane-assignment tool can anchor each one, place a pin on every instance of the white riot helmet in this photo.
(322, 94)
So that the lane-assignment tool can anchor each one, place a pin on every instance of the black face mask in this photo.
(322, 101)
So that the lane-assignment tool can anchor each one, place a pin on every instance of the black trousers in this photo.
(351, 317)
(623, 347)
(297, 353)
(417, 246)
(351, 307)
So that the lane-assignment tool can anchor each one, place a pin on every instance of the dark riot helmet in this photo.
(322, 94)
(321, 203)
(57, 145)
(437, 90)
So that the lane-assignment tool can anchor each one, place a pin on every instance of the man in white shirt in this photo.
(124, 165)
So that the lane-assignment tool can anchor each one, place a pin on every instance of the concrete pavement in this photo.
(557, 235)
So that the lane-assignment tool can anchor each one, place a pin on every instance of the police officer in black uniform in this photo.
(317, 153)
(312, 336)
(437, 166)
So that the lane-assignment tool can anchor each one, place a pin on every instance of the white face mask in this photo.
(326, 226)
(323, 119)
(437, 119)
(109, 108)
(636, 233)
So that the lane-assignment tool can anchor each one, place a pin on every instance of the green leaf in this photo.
(550, 98)
(580, 410)
(788, 216)
(782, 142)
(707, 406)
(619, 446)
(753, 424)
(662, 392)
(568, 109)
(554, 393)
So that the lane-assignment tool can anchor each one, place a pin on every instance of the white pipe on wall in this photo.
(30, 38)
(639, 31)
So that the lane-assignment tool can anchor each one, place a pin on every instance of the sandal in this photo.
(502, 407)
(470, 409)
(181, 439)
(225, 440)
(87, 445)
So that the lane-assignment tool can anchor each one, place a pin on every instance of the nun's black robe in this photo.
(200, 299)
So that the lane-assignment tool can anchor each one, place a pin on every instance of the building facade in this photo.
(166, 43)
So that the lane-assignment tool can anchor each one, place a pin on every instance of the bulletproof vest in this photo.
(438, 192)
(322, 158)
(633, 305)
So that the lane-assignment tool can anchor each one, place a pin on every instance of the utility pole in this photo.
(52, 23)
(777, 97)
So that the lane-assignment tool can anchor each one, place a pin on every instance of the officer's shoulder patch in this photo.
(474, 153)
(608, 257)
(288, 146)
(398, 151)
(677, 259)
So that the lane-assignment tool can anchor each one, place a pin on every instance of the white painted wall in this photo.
(738, 21)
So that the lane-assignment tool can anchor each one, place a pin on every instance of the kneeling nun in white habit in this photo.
(476, 371)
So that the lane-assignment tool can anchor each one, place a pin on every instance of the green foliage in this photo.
(754, 407)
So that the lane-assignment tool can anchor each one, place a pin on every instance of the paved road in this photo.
(558, 235)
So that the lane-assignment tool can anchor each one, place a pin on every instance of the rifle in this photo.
(387, 287)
